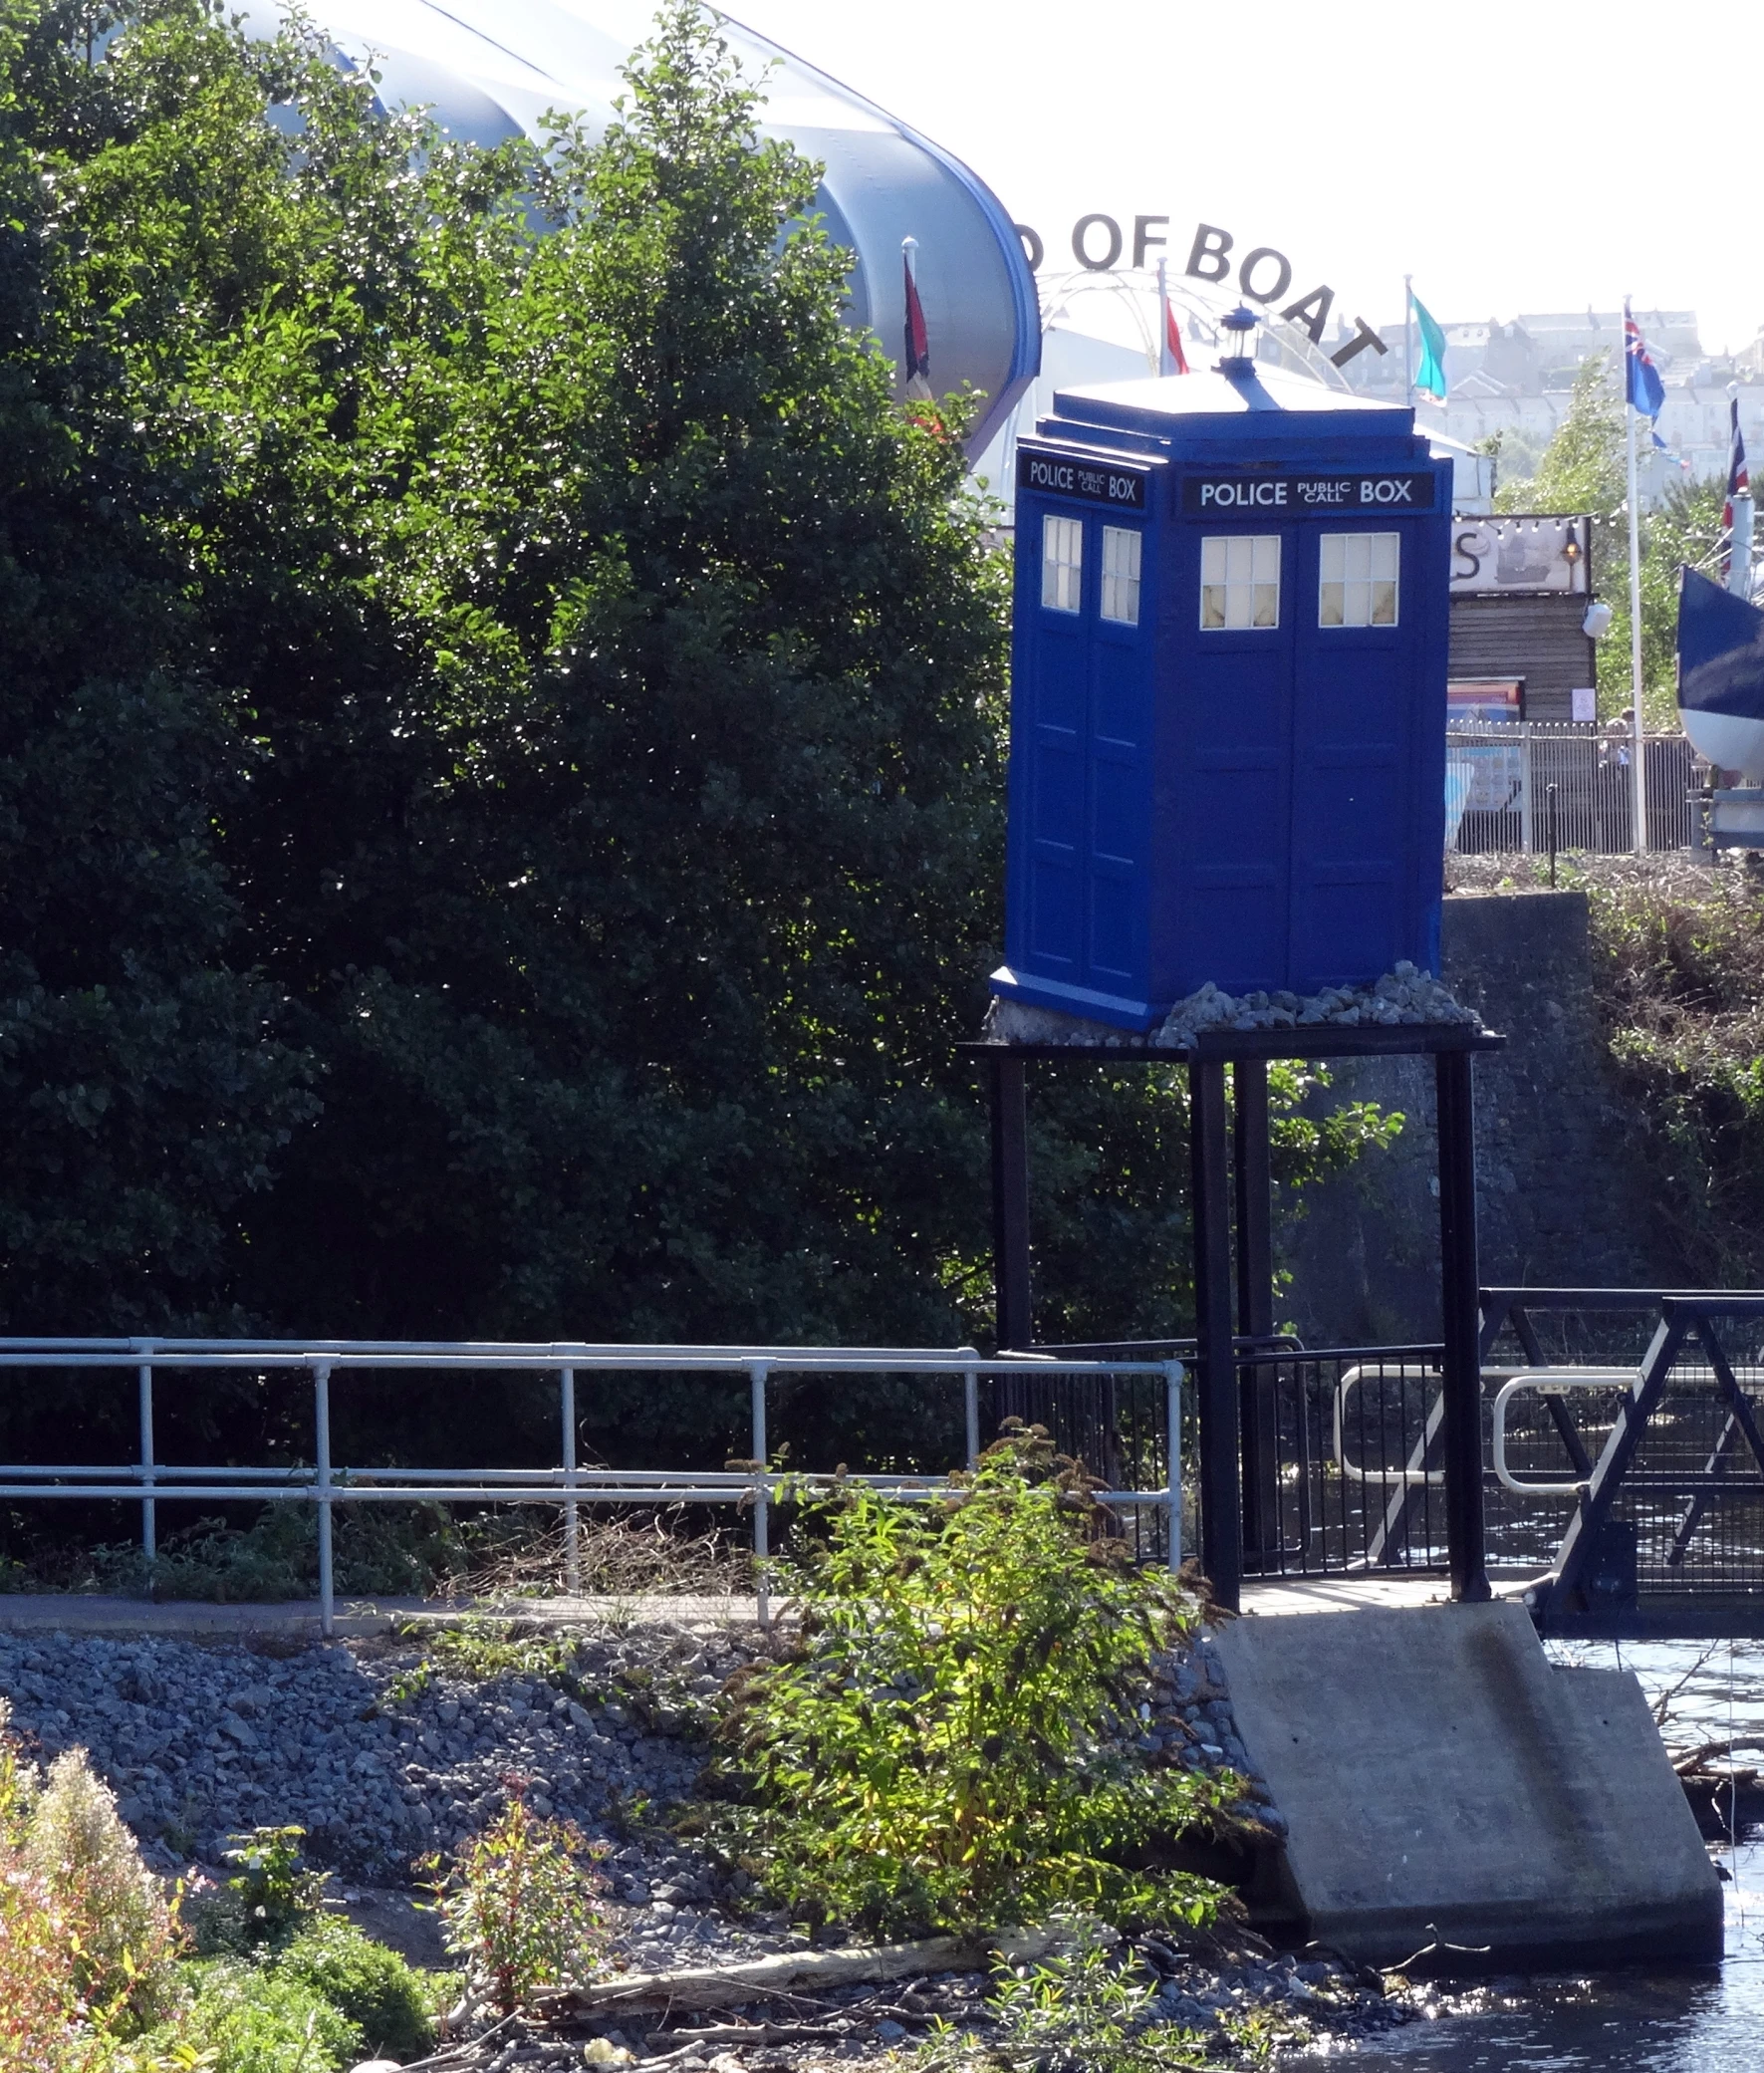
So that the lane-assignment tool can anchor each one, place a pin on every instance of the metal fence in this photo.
(1144, 1469)
(1507, 780)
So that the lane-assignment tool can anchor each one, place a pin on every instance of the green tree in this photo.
(144, 1091)
(558, 696)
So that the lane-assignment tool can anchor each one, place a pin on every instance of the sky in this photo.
(1510, 157)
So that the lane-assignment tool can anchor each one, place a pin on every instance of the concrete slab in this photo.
(1444, 1784)
(1356, 1592)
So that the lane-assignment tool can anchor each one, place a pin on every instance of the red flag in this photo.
(1176, 360)
(919, 349)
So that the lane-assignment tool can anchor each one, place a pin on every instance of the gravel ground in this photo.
(381, 1764)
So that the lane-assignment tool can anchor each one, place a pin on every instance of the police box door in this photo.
(1234, 766)
(1089, 686)
(1294, 711)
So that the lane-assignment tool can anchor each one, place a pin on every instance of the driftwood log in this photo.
(793, 1975)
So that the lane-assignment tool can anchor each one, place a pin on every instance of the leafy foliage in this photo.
(1680, 981)
(501, 764)
(388, 1999)
(88, 1939)
(1081, 2012)
(936, 1751)
(248, 2018)
(122, 1934)
(521, 1903)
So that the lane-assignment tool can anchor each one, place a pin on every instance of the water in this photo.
(1690, 2023)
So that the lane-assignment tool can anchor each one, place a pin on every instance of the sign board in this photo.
(1476, 701)
(1546, 552)
(1295, 496)
(1090, 482)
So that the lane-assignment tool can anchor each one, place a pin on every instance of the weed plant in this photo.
(947, 1745)
(1085, 2011)
(522, 1905)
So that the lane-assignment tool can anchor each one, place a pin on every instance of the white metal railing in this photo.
(324, 1484)
(1507, 781)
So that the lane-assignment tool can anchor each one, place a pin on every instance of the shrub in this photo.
(947, 1745)
(271, 1898)
(1081, 2012)
(389, 1999)
(253, 2020)
(522, 1905)
(118, 1924)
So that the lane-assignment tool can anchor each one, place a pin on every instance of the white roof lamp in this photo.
(490, 70)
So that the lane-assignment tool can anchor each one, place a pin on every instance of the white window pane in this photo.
(1120, 575)
(1062, 563)
(1358, 579)
(1239, 581)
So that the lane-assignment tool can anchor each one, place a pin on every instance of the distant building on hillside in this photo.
(1517, 376)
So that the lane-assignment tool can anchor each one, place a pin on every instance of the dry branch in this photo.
(766, 1979)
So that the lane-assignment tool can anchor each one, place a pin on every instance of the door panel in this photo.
(1349, 752)
(1234, 707)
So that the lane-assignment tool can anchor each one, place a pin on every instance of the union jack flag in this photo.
(1642, 386)
(1171, 359)
(1739, 483)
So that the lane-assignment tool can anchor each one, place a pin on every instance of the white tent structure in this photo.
(490, 70)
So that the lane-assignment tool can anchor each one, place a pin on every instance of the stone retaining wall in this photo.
(1563, 1194)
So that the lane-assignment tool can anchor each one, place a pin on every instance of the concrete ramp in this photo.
(1443, 1781)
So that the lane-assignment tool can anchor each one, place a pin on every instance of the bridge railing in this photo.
(1644, 1413)
(325, 1483)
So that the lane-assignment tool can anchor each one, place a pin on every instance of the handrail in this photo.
(1414, 1475)
(1549, 1381)
(326, 1484)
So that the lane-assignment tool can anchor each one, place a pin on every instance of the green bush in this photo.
(948, 1745)
(254, 2020)
(271, 1899)
(387, 1998)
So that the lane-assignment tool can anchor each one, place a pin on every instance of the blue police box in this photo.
(1228, 700)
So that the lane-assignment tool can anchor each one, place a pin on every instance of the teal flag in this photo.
(1430, 376)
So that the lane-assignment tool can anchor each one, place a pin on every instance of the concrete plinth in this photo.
(1445, 1785)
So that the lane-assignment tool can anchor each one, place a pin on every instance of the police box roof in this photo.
(1215, 412)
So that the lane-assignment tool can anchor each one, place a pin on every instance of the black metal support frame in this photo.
(1568, 1602)
(1239, 1507)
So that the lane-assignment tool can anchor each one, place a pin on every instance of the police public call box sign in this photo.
(1410, 491)
(1089, 481)
(1227, 751)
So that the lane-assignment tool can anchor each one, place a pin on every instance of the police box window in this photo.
(1121, 573)
(1357, 579)
(1239, 581)
(1062, 563)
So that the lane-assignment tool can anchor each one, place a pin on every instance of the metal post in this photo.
(149, 1523)
(572, 1522)
(1552, 807)
(762, 1520)
(1461, 1377)
(1253, 1188)
(1222, 1529)
(971, 1391)
(321, 1490)
(1010, 1204)
(1640, 776)
(1172, 1440)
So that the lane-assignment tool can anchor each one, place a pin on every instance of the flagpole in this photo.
(1163, 319)
(1639, 842)
(1407, 344)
